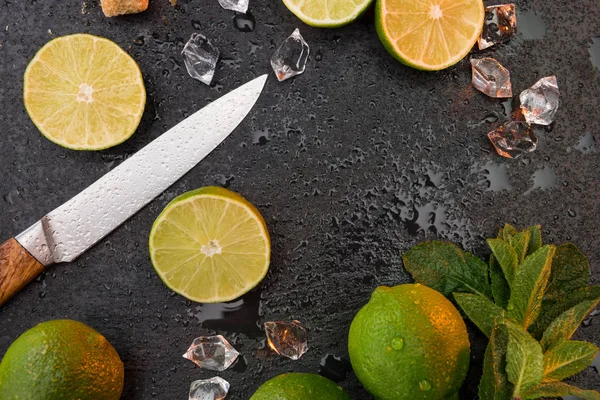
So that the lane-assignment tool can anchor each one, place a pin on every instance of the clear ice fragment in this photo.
(513, 139)
(290, 57)
(209, 389)
(212, 352)
(240, 6)
(286, 338)
(540, 102)
(499, 26)
(200, 57)
(491, 78)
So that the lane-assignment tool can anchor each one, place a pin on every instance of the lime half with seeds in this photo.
(210, 245)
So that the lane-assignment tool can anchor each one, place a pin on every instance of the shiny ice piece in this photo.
(499, 26)
(240, 6)
(200, 57)
(513, 139)
(491, 78)
(286, 338)
(212, 352)
(540, 102)
(209, 389)
(290, 57)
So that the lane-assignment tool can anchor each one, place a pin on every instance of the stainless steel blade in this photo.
(69, 230)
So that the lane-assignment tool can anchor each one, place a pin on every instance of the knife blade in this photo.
(65, 233)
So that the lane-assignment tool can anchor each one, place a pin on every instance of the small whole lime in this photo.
(299, 386)
(61, 359)
(409, 343)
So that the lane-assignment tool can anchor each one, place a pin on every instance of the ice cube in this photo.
(212, 352)
(287, 338)
(240, 6)
(491, 78)
(200, 57)
(209, 389)
(499, 26)
(290, 57)
(513, 139)
(540, 102)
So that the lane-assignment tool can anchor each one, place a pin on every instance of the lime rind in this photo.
(211, 192)
(137, 115)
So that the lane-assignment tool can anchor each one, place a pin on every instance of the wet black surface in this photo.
(351, 164)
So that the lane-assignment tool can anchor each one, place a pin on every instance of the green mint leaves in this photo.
(529, 301)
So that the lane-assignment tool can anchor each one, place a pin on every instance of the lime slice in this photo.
(327, 13)
(429, 34)
(210, 245)
(84, 92)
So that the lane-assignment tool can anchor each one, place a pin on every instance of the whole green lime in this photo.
(58, 360)
(409, 342)
(299, 386)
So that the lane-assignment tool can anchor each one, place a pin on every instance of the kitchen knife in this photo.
(68, 231)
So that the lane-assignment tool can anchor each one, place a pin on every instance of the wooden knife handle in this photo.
(17, 269)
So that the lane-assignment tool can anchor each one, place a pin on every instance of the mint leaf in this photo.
(567, 358)
(506, 257)
(500, 288)
(558, 389)
(570, 271)
(553, 309)
(524, 359)
(481, 310)
(567, 323)
(520, 244)
(507, 232)
(535, 239)
(446, 268)
(494, 384)
(527, 290)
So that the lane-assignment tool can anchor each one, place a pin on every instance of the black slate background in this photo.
(351, 164)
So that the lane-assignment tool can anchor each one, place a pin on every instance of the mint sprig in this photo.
(529, 301)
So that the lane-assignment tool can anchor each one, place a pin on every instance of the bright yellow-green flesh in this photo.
(327, 13)
(210, 245)
(409, 343)
(429, 34)
(84, 92)
(299, 386)
(58, 360)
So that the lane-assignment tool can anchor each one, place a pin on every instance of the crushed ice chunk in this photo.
(209, 389)
(540, 102)
(513, 138)
(491, 78)
(200, 57)
(287, 338)
(499, 26)
(212, 352)
(240, 6)
(290, 57)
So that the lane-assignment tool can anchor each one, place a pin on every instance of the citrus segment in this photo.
(429, 34)
(84, 92)
(327, 13)
(210, 245)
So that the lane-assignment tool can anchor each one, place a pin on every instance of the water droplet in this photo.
(572, 213)
(397, 343)
(424, 386)
(244, 22)
(510, 307)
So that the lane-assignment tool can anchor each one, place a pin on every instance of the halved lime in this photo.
(84, 92)
(429, 34)
(210, 245)
(327, 13)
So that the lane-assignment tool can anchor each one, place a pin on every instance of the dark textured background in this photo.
(351, 164)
